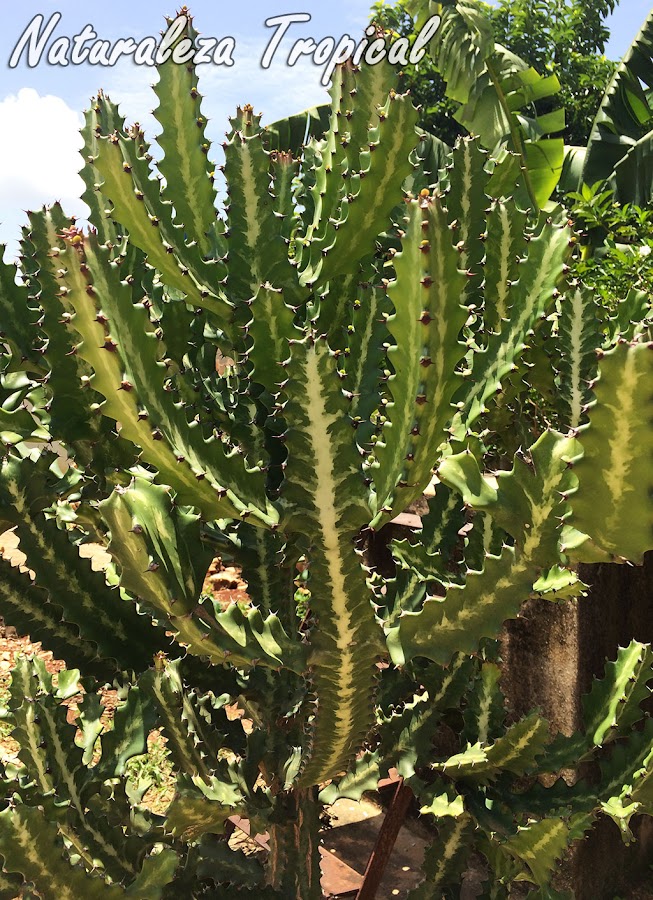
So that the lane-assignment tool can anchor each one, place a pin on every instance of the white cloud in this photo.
(40, 158)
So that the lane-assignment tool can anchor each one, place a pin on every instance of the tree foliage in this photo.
(565, 38)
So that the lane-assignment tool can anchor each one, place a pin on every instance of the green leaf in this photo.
(294, 131)
(185, 737)
(324, 504)
(270, 331)
(102, 615)
(18, 315)
(524, 499)
(72, 417)
(579, 337)
(367, 197)
(102, 117)
(132, 722)
(485, 711)
(10, 887)
(407, 736)
(466, 201)
(257, 250)
(529, 297)
(157, 872)
(443, 804)
(516, 752)
(365, 356)
(219, 863)
(30, 611)
(624, 117)
(611, 708)
(30, 844)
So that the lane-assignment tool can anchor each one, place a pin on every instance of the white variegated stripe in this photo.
(575, 358)
(470, 612)
(488, 532)
(551, 832)
(465, 202)
(510, 752)
(372, 88)
(622, 450)
(36, 861)
(523, 562)
(68, 777)
(18, 601)
(503, 286)
(70, 835)
(327, 489)
(451, 506)
(251, 200)
(415, 580)
(485, 708)
(393, 156)
(141, 232)
(121, 405)
(447, 853)
(195, 199)
(126, 412)
(632, 661)
(455, 666)
(634, 762)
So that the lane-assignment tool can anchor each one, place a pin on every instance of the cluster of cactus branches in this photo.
(271, 382)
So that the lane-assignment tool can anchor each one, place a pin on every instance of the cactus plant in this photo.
(365, 313)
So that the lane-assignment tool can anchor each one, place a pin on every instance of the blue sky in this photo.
(40, 107)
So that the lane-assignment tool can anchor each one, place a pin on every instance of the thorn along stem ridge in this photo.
(246, 394)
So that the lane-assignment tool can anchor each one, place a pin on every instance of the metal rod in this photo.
(394, 819)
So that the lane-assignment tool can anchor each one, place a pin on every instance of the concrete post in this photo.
(550, 656)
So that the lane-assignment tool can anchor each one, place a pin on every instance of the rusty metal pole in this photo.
(394, 819)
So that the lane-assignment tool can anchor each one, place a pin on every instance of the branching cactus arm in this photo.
(324, 499)
(426, 326)
(613, 504)
(528, 503)
(126, 176)
(186, 167)
(154, 543)
(133, 383)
